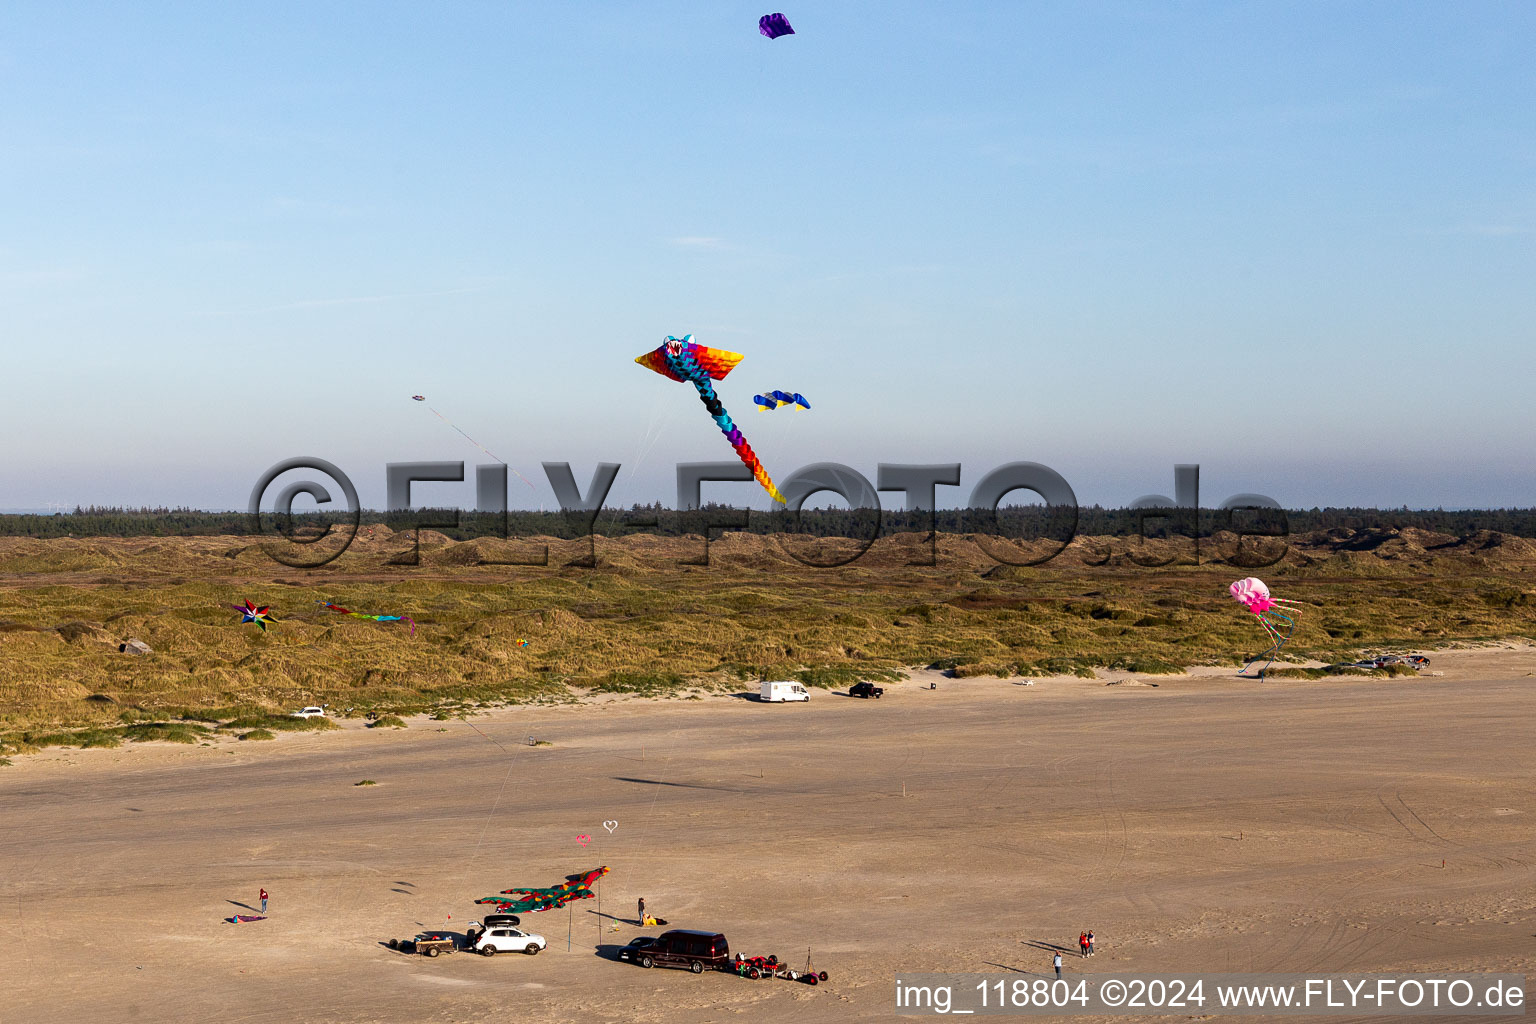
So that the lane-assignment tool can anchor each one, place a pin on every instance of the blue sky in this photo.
(1294, 243)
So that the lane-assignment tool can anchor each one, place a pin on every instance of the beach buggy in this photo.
(755, 967)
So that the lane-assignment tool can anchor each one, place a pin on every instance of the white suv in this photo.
(504, 939)
(310, 713)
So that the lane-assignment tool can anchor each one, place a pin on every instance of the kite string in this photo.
(651, 813)
(661, 415)
(482, 447)
(486, 824)
(498, 746)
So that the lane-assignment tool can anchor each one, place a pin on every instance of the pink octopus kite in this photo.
(1277, 615)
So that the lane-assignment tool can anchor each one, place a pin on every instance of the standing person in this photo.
(1090, 942)
(263, 901)
(1082, 943)
(642, 912)
(1056, 963)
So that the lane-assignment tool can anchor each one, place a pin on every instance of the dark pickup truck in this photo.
(865, 690)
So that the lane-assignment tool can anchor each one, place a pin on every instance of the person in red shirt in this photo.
(263, 901)
(1082, 942)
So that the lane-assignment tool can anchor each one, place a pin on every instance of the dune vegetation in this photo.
(645, 621)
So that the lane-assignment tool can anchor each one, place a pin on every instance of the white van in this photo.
(778, 692)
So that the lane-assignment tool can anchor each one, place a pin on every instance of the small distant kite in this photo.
(770, 400)
(330, 607)
(521, 642)
(1277, 615)
(418, 398)
(526, 901)
(683, 360)
(261, 616)
(774, 25)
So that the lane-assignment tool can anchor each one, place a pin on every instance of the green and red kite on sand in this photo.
(532, 901)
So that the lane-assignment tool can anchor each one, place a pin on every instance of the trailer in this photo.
(427, 944)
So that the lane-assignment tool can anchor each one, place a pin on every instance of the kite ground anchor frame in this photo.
(1279, 621)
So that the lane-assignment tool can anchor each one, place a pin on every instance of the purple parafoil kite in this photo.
(774, 25)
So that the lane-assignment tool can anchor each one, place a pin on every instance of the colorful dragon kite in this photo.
(330, 607)
(682, 360)
(533, 901)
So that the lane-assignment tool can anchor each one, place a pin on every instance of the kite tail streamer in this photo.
(334, 607)
(1279, 626)
(733, 434)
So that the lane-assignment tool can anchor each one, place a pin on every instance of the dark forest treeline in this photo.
(1024, 521)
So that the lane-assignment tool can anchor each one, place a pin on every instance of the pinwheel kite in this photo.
(330, 607)
(1277, 615)
(261, 616)
(682, 360)
(770, 400)
(534, 901)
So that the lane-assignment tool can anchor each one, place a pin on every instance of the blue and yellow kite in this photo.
(771, 400)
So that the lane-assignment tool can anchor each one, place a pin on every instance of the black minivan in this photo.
(685, 947)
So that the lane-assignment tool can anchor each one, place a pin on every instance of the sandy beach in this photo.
(1203, 824)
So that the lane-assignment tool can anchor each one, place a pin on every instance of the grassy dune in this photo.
(643, 621)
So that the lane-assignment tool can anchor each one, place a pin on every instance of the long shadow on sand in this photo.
(678, 785)
(242, 906)
(1051, 947)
